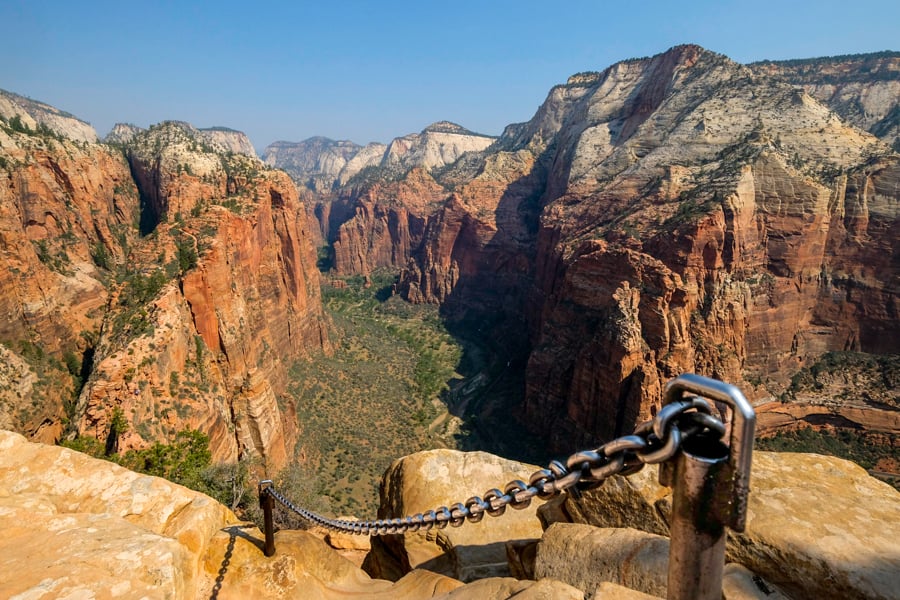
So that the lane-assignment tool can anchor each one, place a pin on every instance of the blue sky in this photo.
(370, 71)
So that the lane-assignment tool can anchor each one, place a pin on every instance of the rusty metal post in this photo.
(711, 483)
(267, 503)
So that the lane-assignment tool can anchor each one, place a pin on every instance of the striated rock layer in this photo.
(173, 286)
(235, 321)
(65, 207)
(670, 214)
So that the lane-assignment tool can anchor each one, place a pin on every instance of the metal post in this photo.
(267, 503)
(696, 533)
(711, 482)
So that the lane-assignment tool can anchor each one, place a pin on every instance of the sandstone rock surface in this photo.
(817, 526)
(76, 526)
(79, 527)
(820, 526)
(428, 480)
(585, 556)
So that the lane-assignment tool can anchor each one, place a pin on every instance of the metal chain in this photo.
(652, 442)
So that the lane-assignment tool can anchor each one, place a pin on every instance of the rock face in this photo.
(74, 526)
(65, 208)
(672, 214)
(34, 114)
(230, 140)
(247, 304)
(427, 480)
(817, 526)
(122, 133)
(863, 89)
(628, 557)
(318, 163)
(78, 527)
(378, 217)
(175, 285)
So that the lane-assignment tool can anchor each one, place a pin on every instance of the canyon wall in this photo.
(173, 285)
(676, 213)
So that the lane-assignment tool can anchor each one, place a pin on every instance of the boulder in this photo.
(428, 480)
(611, 591)
(637, 501)
(817, 526)
(303, 567)
(821, 527)
(586, 556)
(503, 588)
(73, 525)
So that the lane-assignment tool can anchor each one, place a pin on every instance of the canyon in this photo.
(676, 213)
(170, 280)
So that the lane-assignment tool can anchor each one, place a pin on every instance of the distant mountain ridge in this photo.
(321, 164)
(222, 139)
(34, 114)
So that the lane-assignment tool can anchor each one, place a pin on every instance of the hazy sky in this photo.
(370, 71)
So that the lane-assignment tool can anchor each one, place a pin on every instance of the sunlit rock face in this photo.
(676, 213)
(170, 278)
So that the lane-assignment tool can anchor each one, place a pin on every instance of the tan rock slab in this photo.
(819, 526)
(612, 591)
(631, 501)
(503, 588)
(816, 524)
(303, 567)
(74, 526)
(428, 480)
(586, 556)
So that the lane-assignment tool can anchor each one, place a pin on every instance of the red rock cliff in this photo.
(194, 324)
(694, 216)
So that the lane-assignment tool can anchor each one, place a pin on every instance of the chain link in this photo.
(653, 442)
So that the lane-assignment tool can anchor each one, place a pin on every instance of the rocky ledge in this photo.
(78, 527)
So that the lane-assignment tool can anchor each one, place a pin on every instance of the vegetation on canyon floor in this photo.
(377, 397)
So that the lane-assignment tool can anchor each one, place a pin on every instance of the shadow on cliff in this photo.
(487, 312)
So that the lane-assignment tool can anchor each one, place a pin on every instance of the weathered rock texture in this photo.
(586, 556)
(221, 341)
(65, 206)
(34, 114)
(176, 285)
(78, 527)
(427, 480)
(863, 89)
(670, 214)
(817, 527)
(229, 140)
(74, 527)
